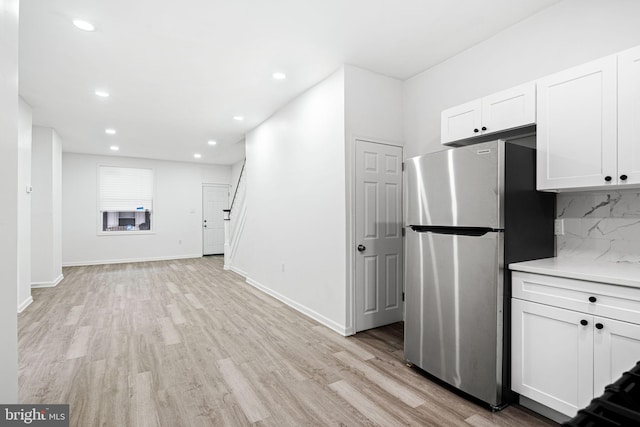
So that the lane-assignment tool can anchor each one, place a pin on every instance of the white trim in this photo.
(236, 270)
(25, 304)
(301, 308)
(125, 261)
(51, 284)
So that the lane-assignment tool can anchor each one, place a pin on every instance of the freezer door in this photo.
(454, 303)
(458, 187)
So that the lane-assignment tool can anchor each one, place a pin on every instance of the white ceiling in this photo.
(178, 71)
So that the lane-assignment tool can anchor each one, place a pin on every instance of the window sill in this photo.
(126, 233)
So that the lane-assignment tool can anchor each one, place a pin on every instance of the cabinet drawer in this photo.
(599, 299)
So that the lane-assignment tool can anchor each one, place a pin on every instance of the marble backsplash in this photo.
(603, 226)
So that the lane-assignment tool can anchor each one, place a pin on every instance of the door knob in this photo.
(361, 248)
(205, 226)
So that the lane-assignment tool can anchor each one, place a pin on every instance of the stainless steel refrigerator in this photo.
(470, 212)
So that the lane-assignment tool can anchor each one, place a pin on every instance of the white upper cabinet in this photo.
(509, 109)
(577, 127)
(629, 117)
(461, 122)
(589, 125)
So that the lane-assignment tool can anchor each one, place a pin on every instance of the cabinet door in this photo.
(629, 116)
(552, 356)
(616, 350)
(461, 121)
(509, 109)
(577, 126)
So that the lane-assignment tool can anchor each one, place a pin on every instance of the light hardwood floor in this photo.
(185, 343)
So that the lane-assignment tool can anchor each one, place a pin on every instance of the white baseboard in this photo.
(25, 304)
(301, 308)
(51, 284)
(129, 260)
(236, 270)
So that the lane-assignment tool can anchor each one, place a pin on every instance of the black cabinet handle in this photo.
(484, 128)
(476, 130)
(584, 322)
(592, 299)
(623, 177)
(599, 326)
(607, 178)
(361, 248)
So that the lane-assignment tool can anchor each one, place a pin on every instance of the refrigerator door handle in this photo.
(464, 231)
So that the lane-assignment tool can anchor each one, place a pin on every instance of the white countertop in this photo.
(625, 274)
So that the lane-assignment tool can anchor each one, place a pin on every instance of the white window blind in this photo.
(125, 189)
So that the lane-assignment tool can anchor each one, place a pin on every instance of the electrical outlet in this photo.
(559, 227)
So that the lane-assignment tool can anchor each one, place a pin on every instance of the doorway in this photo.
(215, 198)
(379, 278)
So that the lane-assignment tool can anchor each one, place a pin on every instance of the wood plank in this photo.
(242, 391)
(80, 343)
(386, 383)
(365, 406)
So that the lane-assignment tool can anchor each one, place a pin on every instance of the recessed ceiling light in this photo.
(102, 93)
(279, 76)
(238, 118)
(110, 131)
(197, 156)
(83, 25)
(212, 142)
(114, 148)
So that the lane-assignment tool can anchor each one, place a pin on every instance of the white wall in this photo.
(561, 36)
(24, 205)
(373, 106)
(176, 218)
(293, 244)
(9, 197)
(298, 242)
(46, 205)
(373, 112)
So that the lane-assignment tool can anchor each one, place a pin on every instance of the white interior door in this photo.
(378, 223)
(215, 198)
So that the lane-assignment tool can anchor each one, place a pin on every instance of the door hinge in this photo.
(403, 296)
(404, 230)
(402, 166)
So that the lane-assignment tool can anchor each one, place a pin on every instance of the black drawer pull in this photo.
(592, 299)
(584, 322)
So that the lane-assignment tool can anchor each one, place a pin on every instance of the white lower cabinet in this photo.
(552, 356)
(562, 357)
(616, 348)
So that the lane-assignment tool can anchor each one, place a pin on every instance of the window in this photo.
(125, 199)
